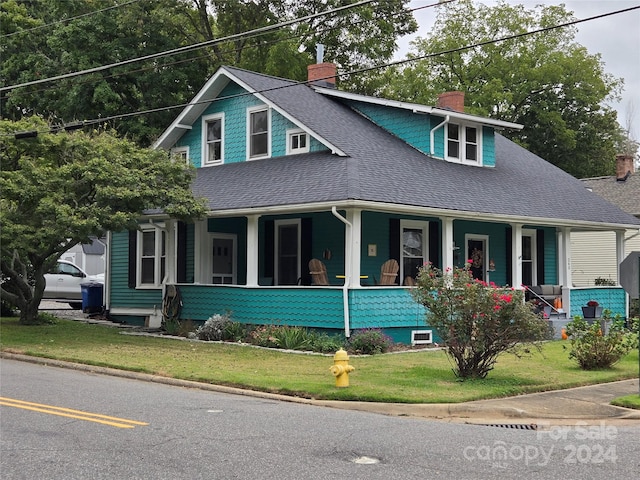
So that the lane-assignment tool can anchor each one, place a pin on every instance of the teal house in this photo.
(294, 172)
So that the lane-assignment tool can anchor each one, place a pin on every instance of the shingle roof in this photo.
(624, 194)
(380, 167)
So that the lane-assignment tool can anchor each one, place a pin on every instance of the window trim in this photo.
(205, 144)
(533, 235)
(290, 134)
(413, 224)
(178, 152)
(250, 111)
(462, 144)
(158, 256)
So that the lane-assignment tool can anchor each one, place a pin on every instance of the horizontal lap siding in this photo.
(121, 294)
(316, 308)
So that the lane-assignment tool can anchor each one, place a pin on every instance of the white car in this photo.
(63, 283)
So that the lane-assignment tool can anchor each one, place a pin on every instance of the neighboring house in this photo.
(293, 172)
(90, 257)
(594, 253)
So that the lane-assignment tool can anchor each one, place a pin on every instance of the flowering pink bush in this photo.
(476, 321)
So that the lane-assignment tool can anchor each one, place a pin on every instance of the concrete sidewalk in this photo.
(588, 405)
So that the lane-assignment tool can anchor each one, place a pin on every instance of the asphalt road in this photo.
(155, 431)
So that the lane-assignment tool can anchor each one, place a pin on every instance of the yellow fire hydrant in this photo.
(341, 368)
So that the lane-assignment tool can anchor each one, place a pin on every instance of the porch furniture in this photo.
(318, 272)
(389, 272)
(409, 281)
(548, 293)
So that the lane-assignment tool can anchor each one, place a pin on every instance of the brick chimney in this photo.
(451, 101)
(624, 167)
(322, 74)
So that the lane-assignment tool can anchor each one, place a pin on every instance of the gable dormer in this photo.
(444, 132)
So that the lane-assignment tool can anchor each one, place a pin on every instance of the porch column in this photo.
(252, 250)
(564, 257)
(447, 243)
(620, 248)
(200, 246)
(171, 256)
(516, 255)
(353, 244)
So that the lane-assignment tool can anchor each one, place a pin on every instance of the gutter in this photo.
(347, 272)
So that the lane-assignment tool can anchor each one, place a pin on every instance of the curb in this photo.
(453, 412)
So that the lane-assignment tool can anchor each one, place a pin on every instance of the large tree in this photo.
(37, 45)
(58, 189)
(545, 81)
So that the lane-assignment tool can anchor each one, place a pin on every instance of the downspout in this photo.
(347, 272)
(431, 134)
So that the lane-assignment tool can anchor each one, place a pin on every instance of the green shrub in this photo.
(593, 346)
(369, 341)
(7, 309)
(322, 342)
(476, 321)
(264, 336)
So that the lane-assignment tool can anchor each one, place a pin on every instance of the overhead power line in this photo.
(352, 72)
(191, 59)
(189, 48)
(66, 20)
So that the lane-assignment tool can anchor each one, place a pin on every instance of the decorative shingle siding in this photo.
(488, 147)
(309, 307)
(121, 294)
(410, 127)
(385, 308)
(611, 298)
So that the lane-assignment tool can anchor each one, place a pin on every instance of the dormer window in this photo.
(213, 139)
(259, 133)
(463, 144)
(297, 142)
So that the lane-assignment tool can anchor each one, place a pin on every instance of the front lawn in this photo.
(412, 377)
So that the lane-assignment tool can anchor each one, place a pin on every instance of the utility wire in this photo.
(65, 20)
(352, 72)
(190, 47)
(199, 57)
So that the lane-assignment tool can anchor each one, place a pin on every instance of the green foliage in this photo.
(369, 341)
(600, 344)
(60, 189)
(546, 82)
(354, 38)
(215, 328)
(602, 281)
(476, 321)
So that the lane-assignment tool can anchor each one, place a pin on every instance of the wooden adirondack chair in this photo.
(389, 272)
(318, 272)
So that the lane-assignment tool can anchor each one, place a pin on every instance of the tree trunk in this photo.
(29, 312)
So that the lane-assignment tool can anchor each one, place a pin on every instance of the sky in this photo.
(616, 38)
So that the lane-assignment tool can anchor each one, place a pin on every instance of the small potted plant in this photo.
(592, 310)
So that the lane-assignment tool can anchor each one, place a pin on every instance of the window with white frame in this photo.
(297, 141)
(259, 123)
(413, 243)
(213, 139)
(180, 154)
(151, 256)
(463, 143)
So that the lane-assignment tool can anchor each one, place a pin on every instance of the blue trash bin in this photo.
(91, 297)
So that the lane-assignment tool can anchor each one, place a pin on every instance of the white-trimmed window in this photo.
(297, 142)
(151, 256)
(258, 132)
(414, 249)
(180, 154)
(463, 143)
(287, 251)
(213, 139)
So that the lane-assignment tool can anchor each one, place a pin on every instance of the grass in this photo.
(414, 377)
(628, 401)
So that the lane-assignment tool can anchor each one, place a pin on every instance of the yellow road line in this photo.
(70, 413)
